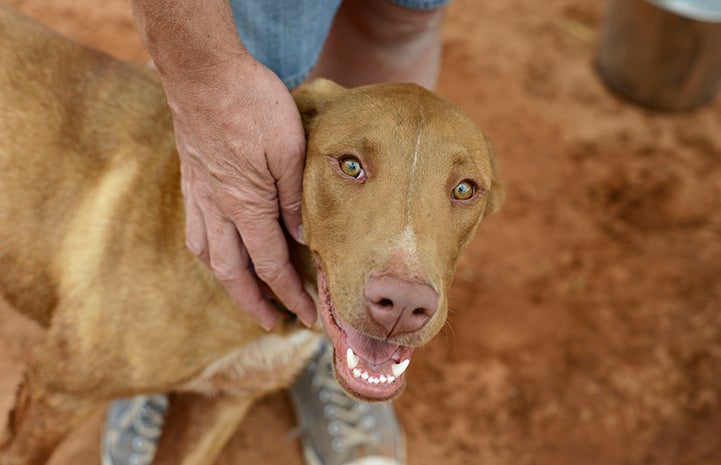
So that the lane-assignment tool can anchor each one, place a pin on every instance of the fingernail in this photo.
(268, 326)
(299, 237)
(307, 323)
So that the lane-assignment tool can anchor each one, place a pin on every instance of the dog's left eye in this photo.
(464, 190)
(351, 166)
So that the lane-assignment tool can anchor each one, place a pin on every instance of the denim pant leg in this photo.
(287, 36)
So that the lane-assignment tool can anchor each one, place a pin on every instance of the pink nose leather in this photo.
(398, 305)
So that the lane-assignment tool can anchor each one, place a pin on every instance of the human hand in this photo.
(242, 148)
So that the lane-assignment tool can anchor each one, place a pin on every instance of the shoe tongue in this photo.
(372, 350)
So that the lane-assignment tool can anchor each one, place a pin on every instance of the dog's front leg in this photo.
(197, 427)
(39, 420)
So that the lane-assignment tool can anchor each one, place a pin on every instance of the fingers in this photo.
(216, 242)
(258, 220)
(230, 264)
(287, 169)
(267, 246)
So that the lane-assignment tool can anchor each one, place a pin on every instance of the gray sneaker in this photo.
(338, 430)
(132, 429)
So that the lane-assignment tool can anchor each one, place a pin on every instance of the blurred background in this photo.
(586, 315)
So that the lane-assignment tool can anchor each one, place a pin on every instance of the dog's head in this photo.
(396, 182)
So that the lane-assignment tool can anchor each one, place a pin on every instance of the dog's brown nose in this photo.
(398, 305)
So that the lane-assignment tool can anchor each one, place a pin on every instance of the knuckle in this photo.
(223, 272)
(254, 219)
(271, 272)
(292, 205)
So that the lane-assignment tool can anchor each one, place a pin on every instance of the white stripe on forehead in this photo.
(407, 241)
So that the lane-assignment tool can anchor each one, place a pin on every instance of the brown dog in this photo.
(92, 245)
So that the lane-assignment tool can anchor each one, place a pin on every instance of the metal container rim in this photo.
(699, 10)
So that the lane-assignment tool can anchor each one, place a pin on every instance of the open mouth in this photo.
(366, 367)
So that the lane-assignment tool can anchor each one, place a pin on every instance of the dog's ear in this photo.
(311, 97)
(497, 193)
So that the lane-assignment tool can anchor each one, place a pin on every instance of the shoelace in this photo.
(146, 416)
(350, 423)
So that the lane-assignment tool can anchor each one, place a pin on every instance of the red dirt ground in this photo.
(587, 314)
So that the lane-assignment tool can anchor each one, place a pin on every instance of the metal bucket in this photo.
(663, 54)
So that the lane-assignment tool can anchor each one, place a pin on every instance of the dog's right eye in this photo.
(464, 190)
(351, 166)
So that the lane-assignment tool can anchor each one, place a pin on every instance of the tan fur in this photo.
(407, 224)
(92, 244)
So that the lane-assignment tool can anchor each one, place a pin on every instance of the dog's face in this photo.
(396, 183)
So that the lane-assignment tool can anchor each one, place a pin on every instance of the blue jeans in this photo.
(287, 36)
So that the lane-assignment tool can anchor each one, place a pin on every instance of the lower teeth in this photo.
(382, 379)
(352, 361)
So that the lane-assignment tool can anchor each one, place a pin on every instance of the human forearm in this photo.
(190, 40)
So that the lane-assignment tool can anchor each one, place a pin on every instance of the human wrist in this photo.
(211, 82)
(190, 40)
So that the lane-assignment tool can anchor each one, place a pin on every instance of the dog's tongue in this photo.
(372, 350)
